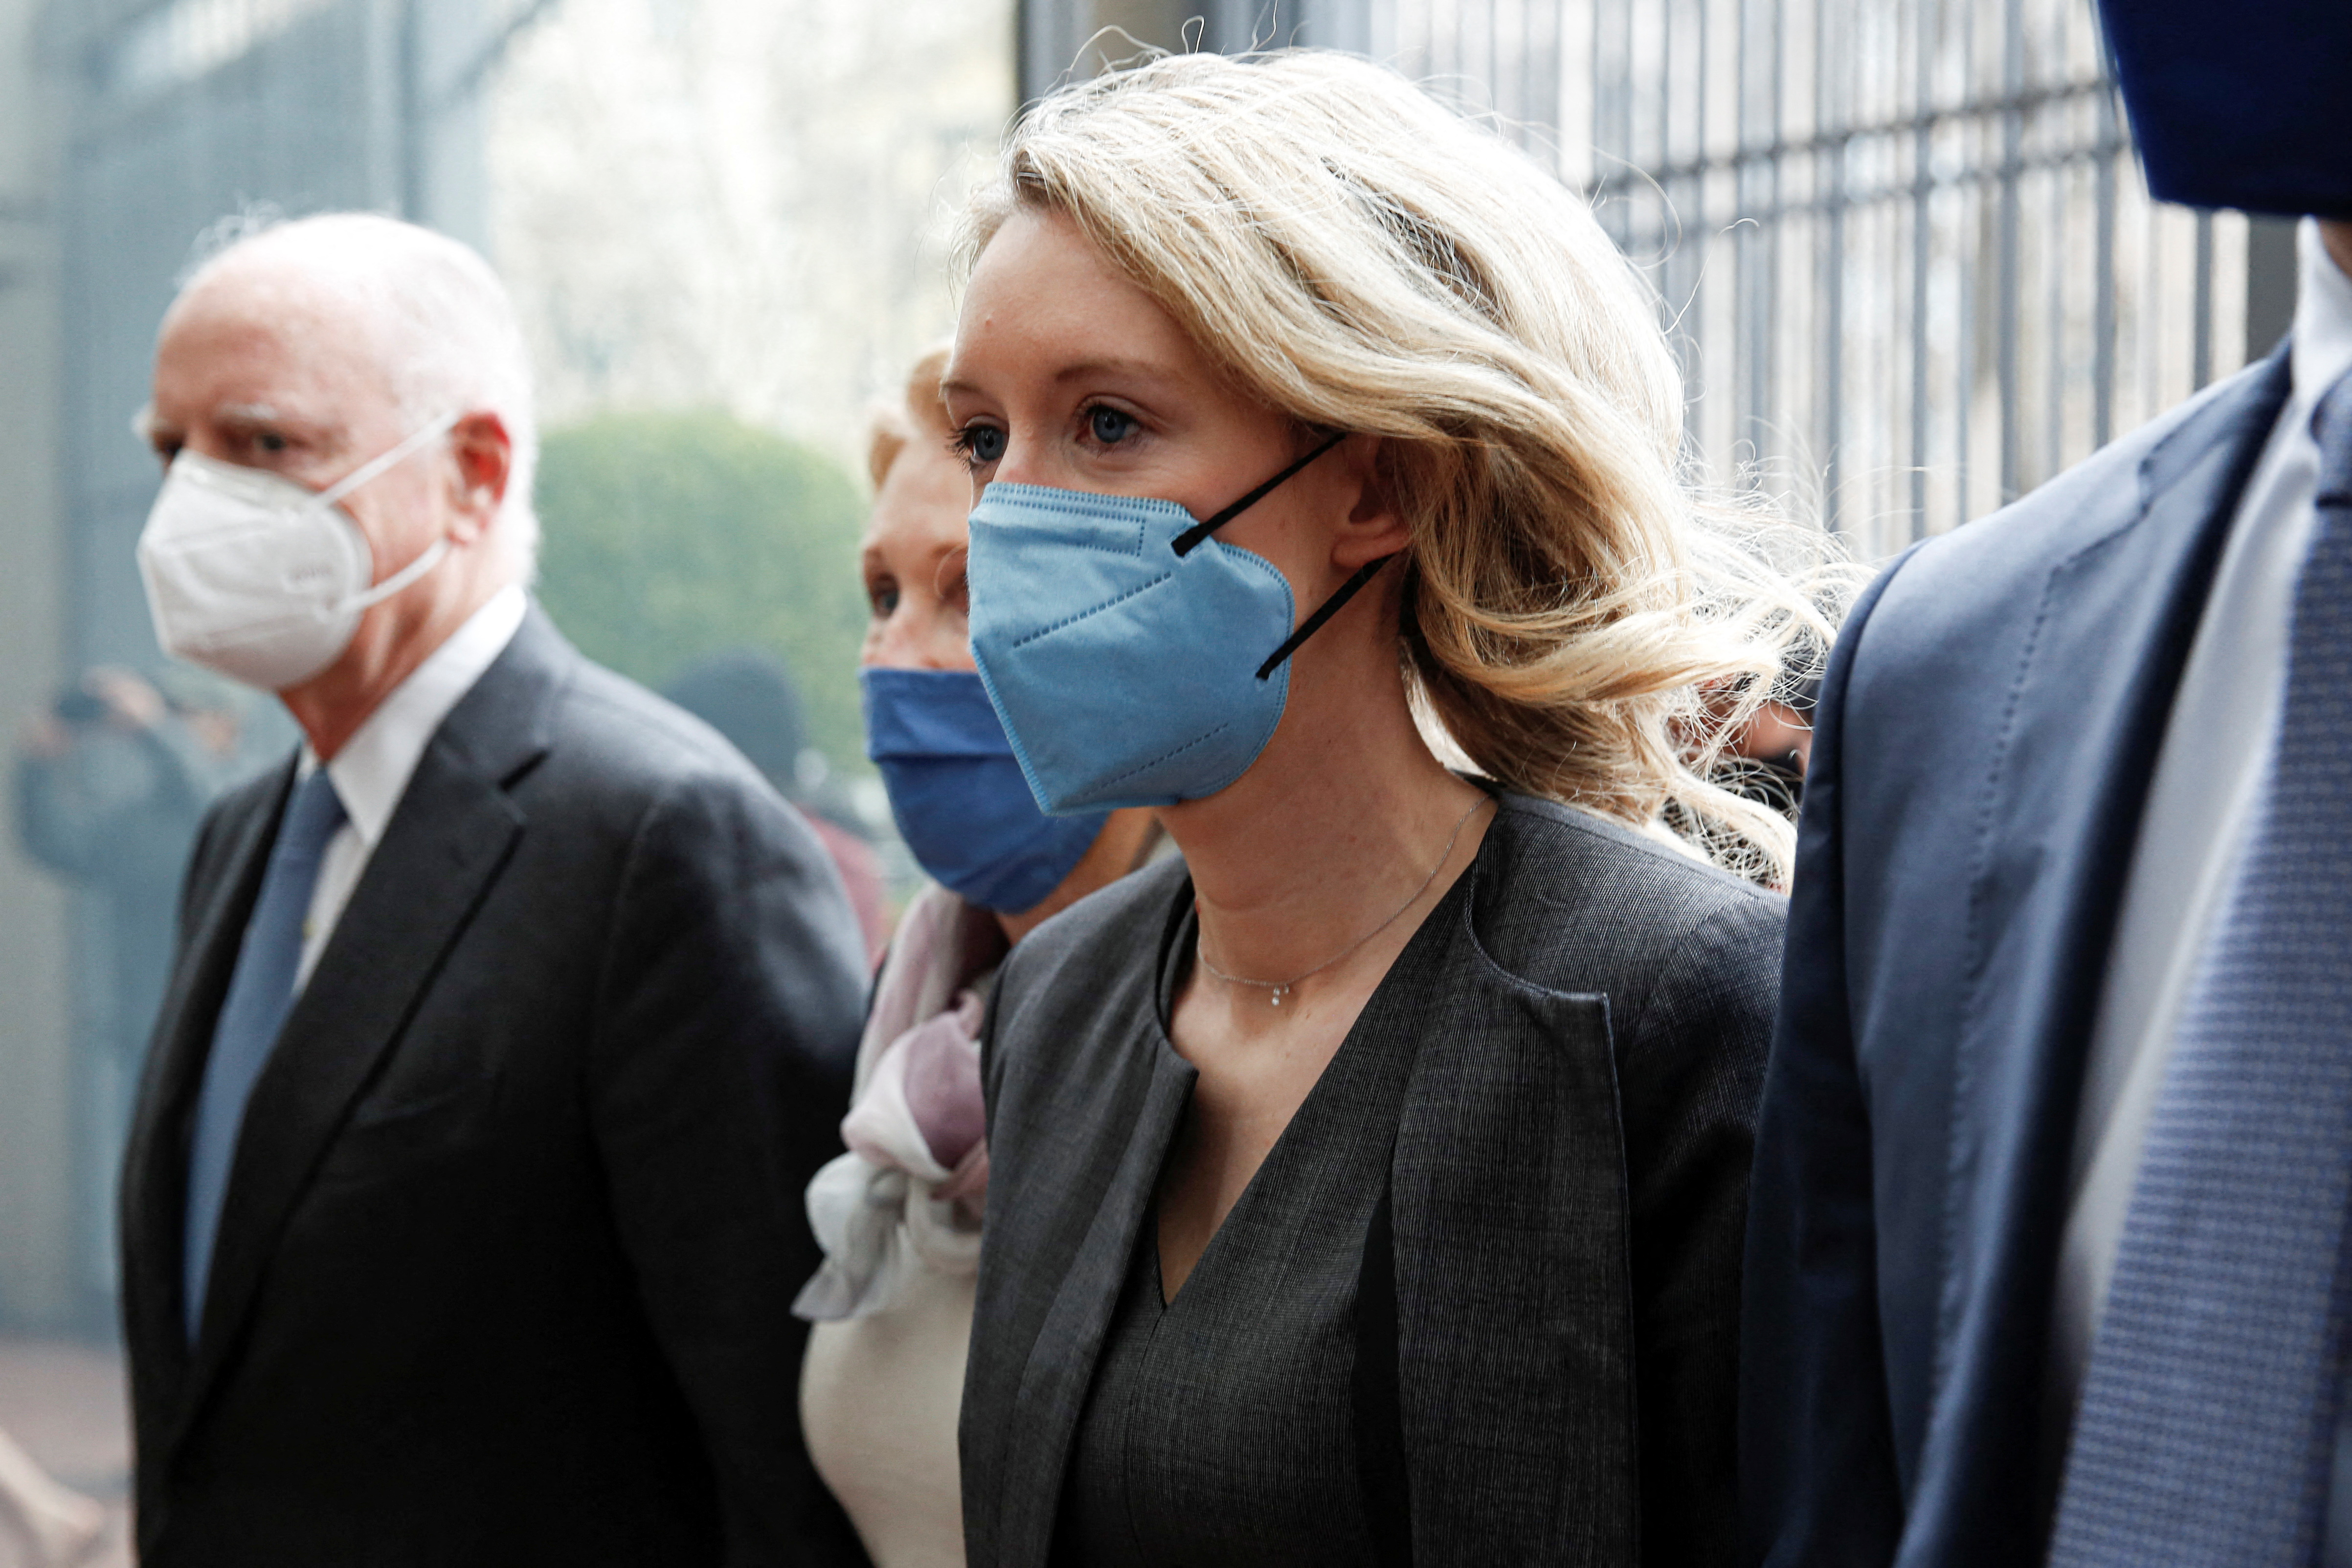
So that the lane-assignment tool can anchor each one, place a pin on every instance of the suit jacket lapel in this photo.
(445, 845)
(155, 1161)
(2068, 785)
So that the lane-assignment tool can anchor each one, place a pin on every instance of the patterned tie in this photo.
(2209, 1412)
(260, 994)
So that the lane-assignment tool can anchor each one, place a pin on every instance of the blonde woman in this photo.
(898, 1215)
(1369, 1185)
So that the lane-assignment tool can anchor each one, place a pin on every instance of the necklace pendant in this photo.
(1277, 993)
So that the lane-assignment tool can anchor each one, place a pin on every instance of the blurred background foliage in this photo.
(669, 536)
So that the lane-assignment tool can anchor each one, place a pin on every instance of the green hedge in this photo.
(668, 536)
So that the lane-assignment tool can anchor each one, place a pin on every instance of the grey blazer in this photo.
(1569, 1187)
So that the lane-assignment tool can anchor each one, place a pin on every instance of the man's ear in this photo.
(1374, 527)
(485, 455)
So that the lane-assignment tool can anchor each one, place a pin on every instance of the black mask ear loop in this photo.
(1331, 606)
(1190, 540)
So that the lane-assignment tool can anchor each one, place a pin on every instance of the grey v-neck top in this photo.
(1219, 1428)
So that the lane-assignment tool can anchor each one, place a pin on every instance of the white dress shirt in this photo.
(372, 772)
(2216, 749)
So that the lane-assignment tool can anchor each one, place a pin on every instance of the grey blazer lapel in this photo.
(1061, 1364)
(445, 844)
(1516, 1374)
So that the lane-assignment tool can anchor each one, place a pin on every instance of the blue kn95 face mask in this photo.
(958, 794)
(1135, 659)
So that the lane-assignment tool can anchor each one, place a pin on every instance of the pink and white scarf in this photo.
(910, 1193)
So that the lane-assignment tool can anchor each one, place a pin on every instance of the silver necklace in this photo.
(1276, 990)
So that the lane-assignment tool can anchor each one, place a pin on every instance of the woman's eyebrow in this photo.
(1113, 365)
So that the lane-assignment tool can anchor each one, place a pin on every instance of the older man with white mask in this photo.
(460, 1217)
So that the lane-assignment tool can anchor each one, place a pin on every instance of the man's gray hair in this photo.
(451, 340)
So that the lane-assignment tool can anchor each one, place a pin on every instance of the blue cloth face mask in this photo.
(957, 792)
(2234, 105)
(1135, 659)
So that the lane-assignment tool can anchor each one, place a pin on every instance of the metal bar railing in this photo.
(1900, 245)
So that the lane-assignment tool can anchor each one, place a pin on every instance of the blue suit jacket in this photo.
(1987, 733)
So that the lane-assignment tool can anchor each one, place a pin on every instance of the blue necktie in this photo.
(2206, 1431)
(260, 994)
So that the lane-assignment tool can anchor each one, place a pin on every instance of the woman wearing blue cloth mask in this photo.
(899, 1215)
(1369, 1184)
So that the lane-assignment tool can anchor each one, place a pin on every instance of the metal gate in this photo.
(1902, 245)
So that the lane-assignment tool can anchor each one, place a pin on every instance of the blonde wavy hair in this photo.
(918, 414)
(1579, 622)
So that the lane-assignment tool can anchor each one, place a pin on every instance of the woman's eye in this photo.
(884, 597)
(270, 441)
(979, 443)
(1109, 426)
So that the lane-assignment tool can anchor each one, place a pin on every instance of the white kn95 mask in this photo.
(254, 575)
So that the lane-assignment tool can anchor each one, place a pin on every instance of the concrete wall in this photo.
(38, 1283)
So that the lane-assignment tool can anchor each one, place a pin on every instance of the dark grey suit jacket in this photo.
(1570, 1186)
(507, 1263)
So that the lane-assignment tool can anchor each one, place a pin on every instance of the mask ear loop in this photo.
(427, 558)
(1330, 607)
(375, 465)
(1190, 540)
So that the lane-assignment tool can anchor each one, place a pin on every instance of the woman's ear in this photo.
(1374, 527)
